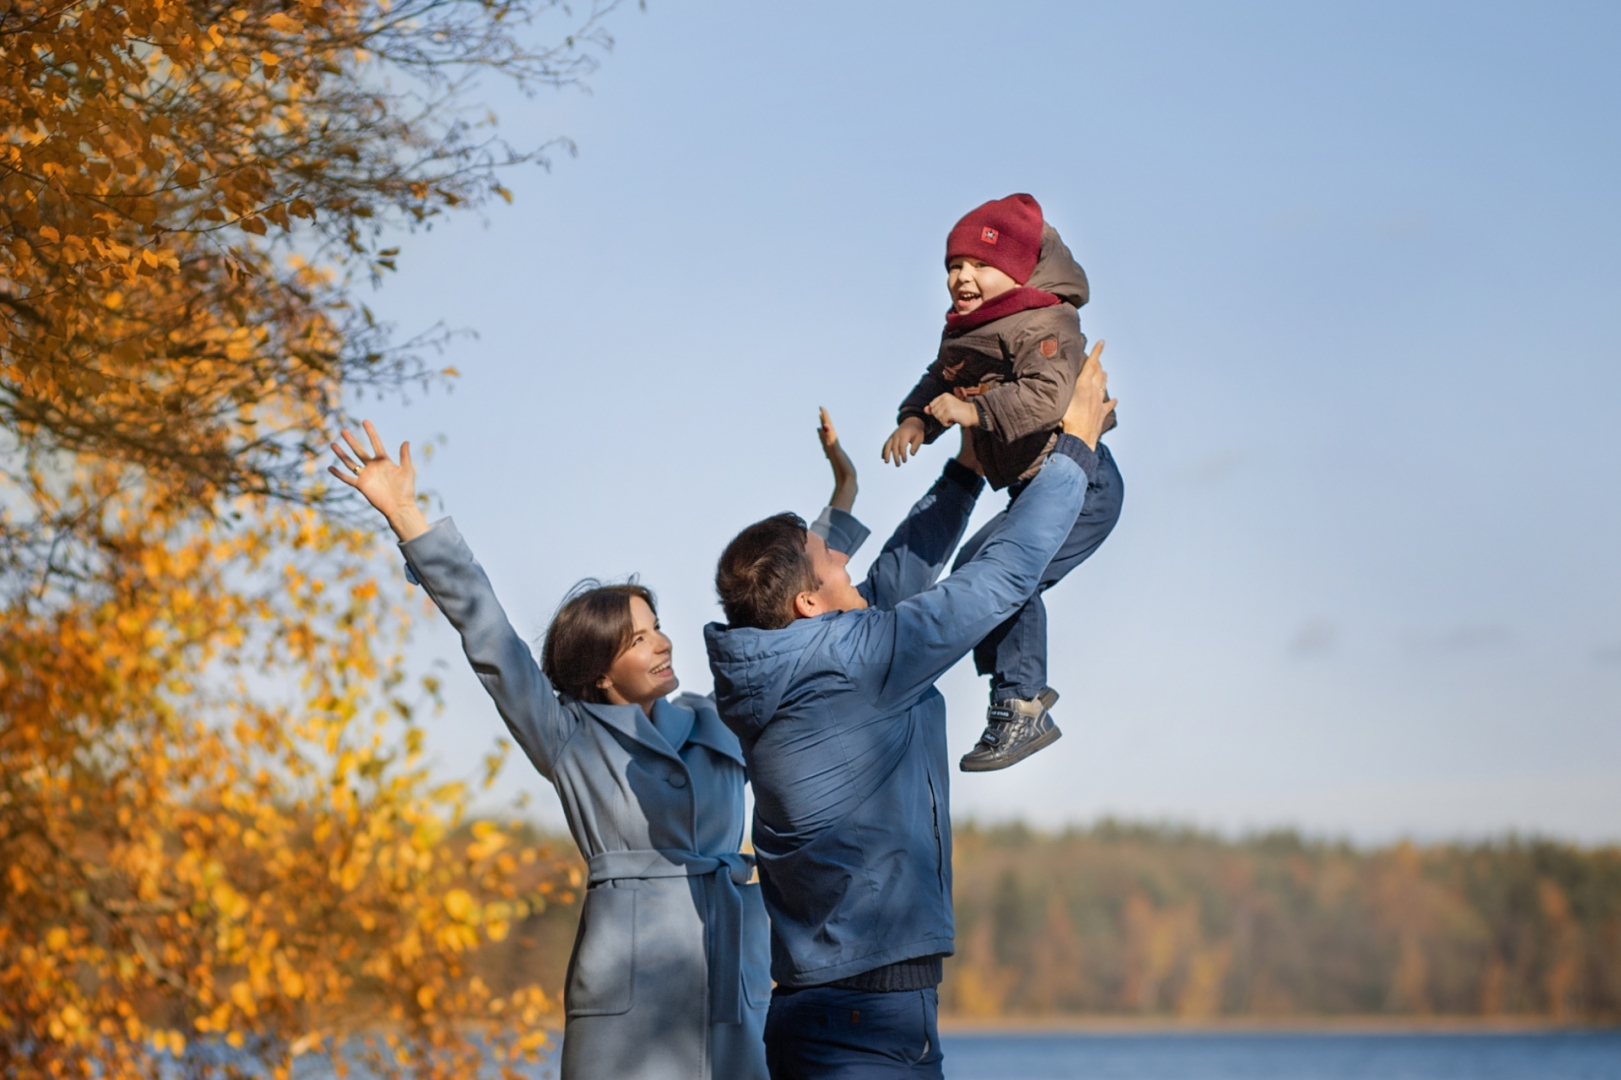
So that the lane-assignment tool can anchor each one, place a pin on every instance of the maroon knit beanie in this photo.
(1005, 233)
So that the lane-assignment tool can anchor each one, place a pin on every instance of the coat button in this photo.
(677, 779)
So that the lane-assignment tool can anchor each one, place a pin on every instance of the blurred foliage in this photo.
(219, 843)
(1123, 919)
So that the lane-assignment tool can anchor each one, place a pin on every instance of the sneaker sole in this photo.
(1025, 751)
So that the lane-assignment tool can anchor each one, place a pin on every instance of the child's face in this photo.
(972, 283)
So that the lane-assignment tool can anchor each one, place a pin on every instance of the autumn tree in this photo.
(216, 828)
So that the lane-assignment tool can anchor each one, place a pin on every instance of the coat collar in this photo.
(673, 722)
(709, 731)
(630, 721)
(678, 727)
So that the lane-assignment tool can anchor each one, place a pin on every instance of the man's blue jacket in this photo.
(845, 736)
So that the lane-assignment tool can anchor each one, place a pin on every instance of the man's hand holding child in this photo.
(1090, 406)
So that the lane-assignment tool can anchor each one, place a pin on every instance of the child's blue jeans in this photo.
(1014, 655)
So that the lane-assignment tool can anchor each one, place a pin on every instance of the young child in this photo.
(1006, 369)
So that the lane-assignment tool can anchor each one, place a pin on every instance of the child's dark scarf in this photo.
(1024, 298)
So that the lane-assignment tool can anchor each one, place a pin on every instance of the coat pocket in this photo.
(602, 975)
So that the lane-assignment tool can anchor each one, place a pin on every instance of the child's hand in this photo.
(948, 409)
(844, 470)
(905, 440)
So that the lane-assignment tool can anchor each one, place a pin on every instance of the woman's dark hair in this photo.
(762, 570)
(592, 627)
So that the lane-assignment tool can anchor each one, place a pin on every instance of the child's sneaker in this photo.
(1014, 730)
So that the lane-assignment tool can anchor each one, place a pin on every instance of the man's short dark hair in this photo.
(762, 570)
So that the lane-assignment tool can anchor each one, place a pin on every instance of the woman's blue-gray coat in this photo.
(670, 972)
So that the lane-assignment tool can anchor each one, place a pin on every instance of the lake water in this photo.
(1071, 1056)
(1095, 1056)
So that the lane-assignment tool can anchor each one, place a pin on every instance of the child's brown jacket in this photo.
(1018, 370)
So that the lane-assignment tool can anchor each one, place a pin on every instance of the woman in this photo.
(670, 971)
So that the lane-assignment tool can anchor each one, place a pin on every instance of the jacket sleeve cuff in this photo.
(964, 477)
(406, 547)
(987, 422)
(1078, 452)
(841, 530)
(932, 428)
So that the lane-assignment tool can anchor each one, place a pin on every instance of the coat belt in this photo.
(725, 945)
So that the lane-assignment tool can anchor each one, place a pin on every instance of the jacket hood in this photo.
(1057, 271)
(753, 668)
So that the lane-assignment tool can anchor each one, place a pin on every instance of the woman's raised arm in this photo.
(443, 564)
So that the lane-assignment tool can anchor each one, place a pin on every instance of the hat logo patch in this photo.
(988, 235)
(1049, 348)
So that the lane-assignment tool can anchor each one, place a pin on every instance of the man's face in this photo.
(832, 570)
(972, 283)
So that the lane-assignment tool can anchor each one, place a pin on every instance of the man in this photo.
(830, 689)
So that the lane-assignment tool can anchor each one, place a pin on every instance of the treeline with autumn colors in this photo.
(1142, 921)
(1123, 920)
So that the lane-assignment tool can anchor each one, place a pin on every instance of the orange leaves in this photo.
(220, 866)
(216, 821)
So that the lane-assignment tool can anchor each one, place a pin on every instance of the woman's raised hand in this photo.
(844, 470)
(388, 485)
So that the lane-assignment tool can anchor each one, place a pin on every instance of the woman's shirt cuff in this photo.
(840, 530)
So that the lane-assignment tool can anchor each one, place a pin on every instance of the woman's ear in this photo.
(605, 683)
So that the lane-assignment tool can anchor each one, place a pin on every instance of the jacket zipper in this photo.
(939, 855)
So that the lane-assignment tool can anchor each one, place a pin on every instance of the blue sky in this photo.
(1357, 269)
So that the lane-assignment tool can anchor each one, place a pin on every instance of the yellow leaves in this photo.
(172, 1041)
(228, 902)
(292, 983)
(459, 905)
(488, 838)
(209, 826)
(242, 998)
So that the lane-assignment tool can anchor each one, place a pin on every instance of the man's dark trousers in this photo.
(1015, 653)
(825, 1033)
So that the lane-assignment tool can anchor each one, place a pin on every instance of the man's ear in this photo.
(807, 606)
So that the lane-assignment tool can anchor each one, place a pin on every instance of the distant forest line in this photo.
(1123, 919)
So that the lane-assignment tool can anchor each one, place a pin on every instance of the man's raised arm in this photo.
(936, 627)
(922, 544)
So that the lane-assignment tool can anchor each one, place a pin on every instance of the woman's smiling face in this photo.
(642, 673)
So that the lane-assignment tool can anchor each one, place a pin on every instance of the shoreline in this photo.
(1282, 1025)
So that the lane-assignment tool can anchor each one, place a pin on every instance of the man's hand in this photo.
(905, 440)
(1091, 405)
(949, 409)
(844, 470)
(390, 487)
